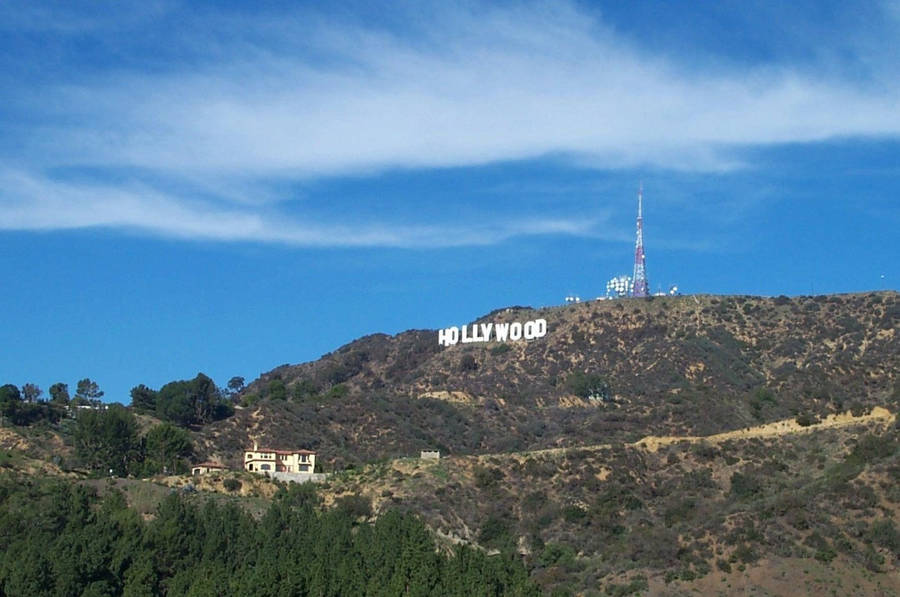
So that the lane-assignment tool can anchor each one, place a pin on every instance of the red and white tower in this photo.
(639, 287)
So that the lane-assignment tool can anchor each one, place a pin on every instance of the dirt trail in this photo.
(784, 427)
(652, 443)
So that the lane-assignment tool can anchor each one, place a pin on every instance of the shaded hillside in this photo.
(669, 365)
(718, 515)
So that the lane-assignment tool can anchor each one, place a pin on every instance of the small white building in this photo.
(268, 460)
(201, 468)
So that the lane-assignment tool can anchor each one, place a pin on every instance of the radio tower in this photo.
(639, 286)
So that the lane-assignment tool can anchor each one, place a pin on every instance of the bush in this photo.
(745, 485)
(872, 447)
(232, 484)
(746, 554)
(885, 534)
(806, 419)
(337, 392)
(468, 363)
(574, 514)
(500, 349)
(276, 390)
(554, 554)
(495, 533)
(487, 476)
(591, 386)
(356, 506)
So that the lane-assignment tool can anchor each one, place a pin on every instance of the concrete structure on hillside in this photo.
(268, 460)
(201, 468)
(430, 454)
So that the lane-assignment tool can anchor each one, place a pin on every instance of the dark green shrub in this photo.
(574, 514)
(500, 349)
(468, 363)
(745, 485)
(496, 533)
(590, 386)
(356, 506)
(487, 476)
(337, 391)
(885, 534)
(806, 419)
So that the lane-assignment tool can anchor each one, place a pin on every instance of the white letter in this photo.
(515, 331)
(442, 338)
(502, 329)
(529, 330)
(540, 328)
(465, 336)
(486, 331)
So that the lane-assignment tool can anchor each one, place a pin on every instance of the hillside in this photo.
(720, 445)
(752, 510)
(689, 365)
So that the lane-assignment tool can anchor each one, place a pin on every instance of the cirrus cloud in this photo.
(254, 100)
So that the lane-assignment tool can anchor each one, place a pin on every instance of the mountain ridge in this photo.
(687, 365)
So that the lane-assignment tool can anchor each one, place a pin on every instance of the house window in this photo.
(265, 467)
(250, 467)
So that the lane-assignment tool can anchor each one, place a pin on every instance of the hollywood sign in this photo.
(496, 332)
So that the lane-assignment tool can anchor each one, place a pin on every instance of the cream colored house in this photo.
(202, 468)
(267, 460)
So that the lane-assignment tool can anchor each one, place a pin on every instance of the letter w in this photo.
(502, 331)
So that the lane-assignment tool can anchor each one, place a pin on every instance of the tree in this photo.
(165, 447)
(143, 399)
(9, 402)
(276, 390)
(590, 386)
(235, 385)
(9, 393)
(88, 391)
(193, 402)
(31, 392)
(18, 412)
(59, 393)
(107, 439)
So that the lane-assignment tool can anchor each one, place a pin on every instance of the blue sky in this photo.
(226, 187)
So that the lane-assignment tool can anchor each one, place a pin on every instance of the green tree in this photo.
(193, 402)
(10, 399)
(143, 399)
(18, 412)
(165, 448)
(276, 390)
(107, 439)
(235, 385)
(59, 393)
(88, 392)
(590, 386)
(10, 393)
(31, 393)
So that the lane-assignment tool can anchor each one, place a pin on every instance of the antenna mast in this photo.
(640, 286)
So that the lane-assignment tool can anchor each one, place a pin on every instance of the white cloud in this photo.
(27, 203)
(487, 85)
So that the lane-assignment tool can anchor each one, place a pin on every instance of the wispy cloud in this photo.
(305, 96)
(38, 204)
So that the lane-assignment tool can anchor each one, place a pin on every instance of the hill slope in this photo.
(692, 365)
(752, 510)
